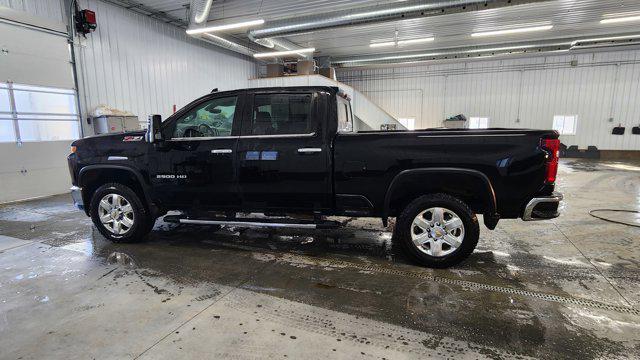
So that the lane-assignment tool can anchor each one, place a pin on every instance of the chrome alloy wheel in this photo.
(437, 231)
(116, 214)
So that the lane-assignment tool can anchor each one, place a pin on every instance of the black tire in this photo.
(142, 223)
(404, 228)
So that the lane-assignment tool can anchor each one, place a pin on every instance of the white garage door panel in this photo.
(46, 169)
(35, 168)
(34, 57)
(18, 72)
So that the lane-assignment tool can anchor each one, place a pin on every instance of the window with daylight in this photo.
(476, 122)
(565, 124)
(38, 113)
(6, 120)
(409, 123)
(345, 120)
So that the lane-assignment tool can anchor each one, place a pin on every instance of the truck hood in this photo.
(128, 144)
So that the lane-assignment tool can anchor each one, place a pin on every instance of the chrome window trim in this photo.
(202, 138)
(277, 136)
(243, 137)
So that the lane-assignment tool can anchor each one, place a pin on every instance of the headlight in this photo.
(73, 149)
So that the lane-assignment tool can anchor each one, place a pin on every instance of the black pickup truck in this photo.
(292, 155)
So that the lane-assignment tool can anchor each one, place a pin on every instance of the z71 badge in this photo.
(132, 138)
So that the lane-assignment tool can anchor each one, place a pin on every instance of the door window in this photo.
(279, 114)
(209, 119)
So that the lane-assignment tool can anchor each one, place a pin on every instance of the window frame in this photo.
(575, 124)
(169, 125)
(248, 114)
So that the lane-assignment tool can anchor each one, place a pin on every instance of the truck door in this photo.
(283, 157)
(196, 166)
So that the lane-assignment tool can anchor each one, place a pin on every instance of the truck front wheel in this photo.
(437, 230)
(118, 213)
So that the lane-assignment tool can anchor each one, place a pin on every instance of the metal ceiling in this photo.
(570, 19)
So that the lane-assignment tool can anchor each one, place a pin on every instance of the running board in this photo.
(254, 223)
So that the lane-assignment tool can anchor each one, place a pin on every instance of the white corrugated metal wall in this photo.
(525, 92)
(138, 64)
(48, 9)
(135, 63)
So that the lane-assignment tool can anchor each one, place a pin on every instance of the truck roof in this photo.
(283, 88)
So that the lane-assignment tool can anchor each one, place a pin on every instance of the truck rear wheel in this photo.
(118, 213)
(437, 230)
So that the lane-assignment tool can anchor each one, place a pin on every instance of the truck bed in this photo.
(511, 160)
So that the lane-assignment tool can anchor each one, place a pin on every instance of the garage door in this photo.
(38, 112)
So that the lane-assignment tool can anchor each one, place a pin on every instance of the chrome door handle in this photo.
(309, 150)
(221, 151)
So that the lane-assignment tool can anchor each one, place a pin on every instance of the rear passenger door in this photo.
(283, 158)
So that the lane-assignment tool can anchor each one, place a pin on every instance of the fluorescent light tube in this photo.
(620, 19)
(382, 44)
(512, 31)
(283, 53)
(225, 27)
(416, 41)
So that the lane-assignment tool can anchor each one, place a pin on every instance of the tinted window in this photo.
(211, 118)
(276, 114)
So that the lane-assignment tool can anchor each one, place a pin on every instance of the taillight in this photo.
(553, 147)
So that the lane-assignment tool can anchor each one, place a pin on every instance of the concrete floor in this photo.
(566, 288)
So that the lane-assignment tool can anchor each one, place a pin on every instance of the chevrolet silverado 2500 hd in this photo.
(292, 155)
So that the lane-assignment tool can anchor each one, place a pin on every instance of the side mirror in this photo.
(153, 128)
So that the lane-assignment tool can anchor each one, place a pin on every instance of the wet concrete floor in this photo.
(565, 289)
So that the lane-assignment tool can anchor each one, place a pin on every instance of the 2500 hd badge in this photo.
(171, 176)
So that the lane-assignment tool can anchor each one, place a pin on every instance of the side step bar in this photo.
(324, 225)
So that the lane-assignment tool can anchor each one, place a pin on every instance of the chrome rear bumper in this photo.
(76, 195)
(542, 208)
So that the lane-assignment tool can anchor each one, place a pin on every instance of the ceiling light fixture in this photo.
(512, 31)
(615, 20)
(382, 44)
(416, 41)
(239, 25)
(283, 53)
